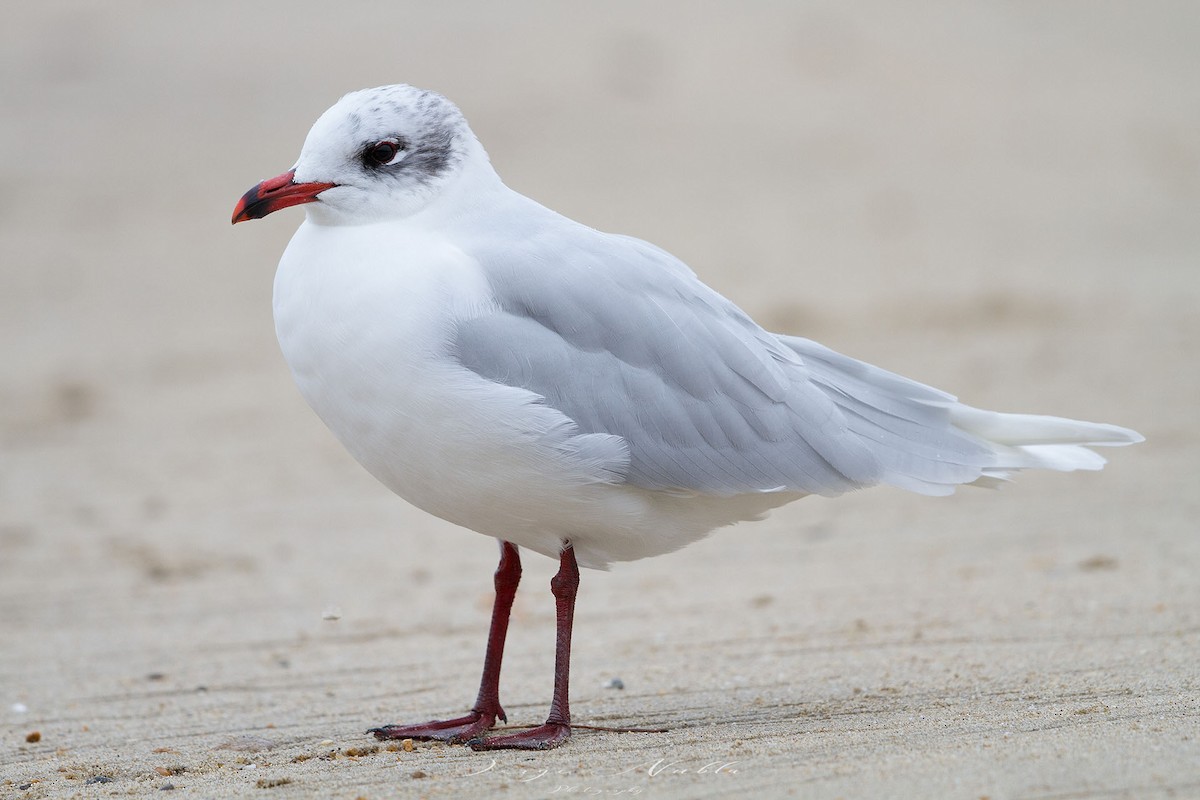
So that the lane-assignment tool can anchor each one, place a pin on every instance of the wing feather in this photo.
(625, 340)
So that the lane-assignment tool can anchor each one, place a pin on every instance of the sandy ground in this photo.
(998, 199)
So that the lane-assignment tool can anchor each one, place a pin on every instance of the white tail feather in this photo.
(1033, 441)
(1035, 429)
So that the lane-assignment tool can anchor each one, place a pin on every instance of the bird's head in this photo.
(377, 154)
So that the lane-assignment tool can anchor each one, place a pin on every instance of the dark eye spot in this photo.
(384, 153)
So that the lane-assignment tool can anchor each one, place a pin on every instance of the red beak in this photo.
(274, 194)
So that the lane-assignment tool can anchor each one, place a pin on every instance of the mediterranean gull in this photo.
(577, 393)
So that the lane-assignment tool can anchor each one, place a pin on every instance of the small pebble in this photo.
(97, 779)
(33, 736)
(615, 683)
(331, 614)
(19, 708)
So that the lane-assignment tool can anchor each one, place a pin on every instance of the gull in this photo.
(579, 394)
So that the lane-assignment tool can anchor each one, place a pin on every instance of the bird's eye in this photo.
(384, 153)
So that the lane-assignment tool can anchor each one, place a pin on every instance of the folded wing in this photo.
(624, 340)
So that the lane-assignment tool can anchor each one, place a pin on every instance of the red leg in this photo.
(557, 729)
(487, 708)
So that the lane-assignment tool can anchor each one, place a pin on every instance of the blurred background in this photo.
(1001, 199)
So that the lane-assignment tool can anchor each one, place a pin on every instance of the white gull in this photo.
(576, 393)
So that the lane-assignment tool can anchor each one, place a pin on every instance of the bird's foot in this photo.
(451, 731)
(543, 737)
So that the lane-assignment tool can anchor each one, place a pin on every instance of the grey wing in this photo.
(624, 340)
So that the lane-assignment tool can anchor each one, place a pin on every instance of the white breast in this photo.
(364, 317)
